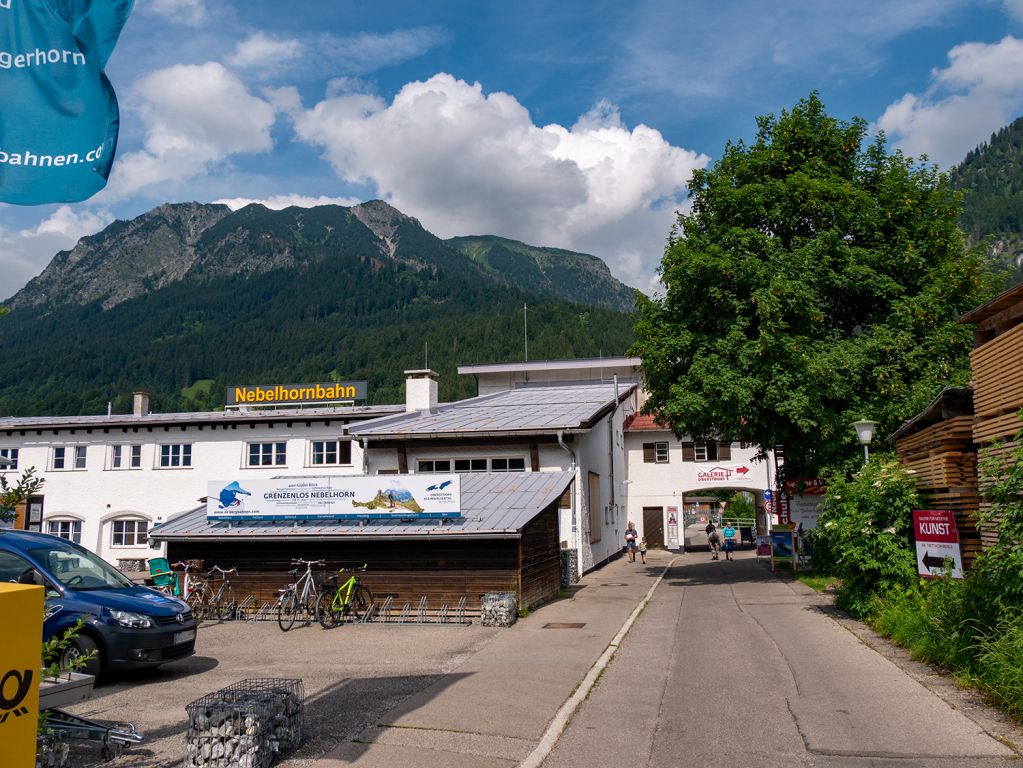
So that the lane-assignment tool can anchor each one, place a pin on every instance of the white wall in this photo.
(99, 494)
(667, 484)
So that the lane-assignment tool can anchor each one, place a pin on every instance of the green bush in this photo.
(1000, 665)
(862, 536)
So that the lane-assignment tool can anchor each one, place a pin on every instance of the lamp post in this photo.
(865, 432)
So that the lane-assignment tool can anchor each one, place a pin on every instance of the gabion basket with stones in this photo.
(250, 724)
(53, 750)
(498, 609)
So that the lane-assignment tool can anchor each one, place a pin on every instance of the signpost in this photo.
(937, 540)
(783, 545)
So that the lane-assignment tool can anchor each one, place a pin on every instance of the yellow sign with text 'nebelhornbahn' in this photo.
(296, 394)
(21, 615)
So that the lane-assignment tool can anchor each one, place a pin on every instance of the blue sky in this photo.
(566, 124)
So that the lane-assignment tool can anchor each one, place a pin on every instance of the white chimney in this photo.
(139, 403)
(420, 390)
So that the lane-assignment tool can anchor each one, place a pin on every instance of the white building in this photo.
(108, 479)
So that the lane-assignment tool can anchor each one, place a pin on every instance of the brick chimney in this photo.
(420, 390)
(139, 403)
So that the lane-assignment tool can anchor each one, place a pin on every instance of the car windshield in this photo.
(79, 568)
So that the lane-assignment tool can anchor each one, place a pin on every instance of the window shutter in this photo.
(688, 452)
(724, 451)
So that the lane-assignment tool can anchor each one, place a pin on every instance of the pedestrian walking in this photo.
(631, 540)
(729, 533)
(713, 540)
(642, 549)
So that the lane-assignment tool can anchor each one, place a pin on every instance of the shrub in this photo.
(862, 536)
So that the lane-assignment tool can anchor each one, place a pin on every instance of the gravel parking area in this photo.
(352, 675)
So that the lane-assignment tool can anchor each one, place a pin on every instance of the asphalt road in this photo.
(729, 666)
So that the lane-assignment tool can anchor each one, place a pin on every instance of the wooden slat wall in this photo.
(942, 460)
(997, 397)
(541, 559)
(443, 571)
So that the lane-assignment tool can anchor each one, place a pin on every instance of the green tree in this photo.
(13, 495)
(816, 281)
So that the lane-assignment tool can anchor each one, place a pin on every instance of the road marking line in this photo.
(560, 722)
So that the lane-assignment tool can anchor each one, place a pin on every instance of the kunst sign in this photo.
(335, 498)
(937, 540)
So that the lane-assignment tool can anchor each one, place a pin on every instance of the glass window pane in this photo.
(478, 465)
(516, 465)
(79, 457)
(444, 465)
(136, 456)
(462, 465)
(499, 465)
(426, 466)
(186, 455)
(58, 458)
(115, 457)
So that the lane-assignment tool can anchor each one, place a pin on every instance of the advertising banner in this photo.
(805, 510)
(937, 540)
(336, 498)
(296, 394)
(722, 473)
(673, 542)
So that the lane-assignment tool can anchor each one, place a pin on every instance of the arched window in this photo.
(66, 528)
(129, 532)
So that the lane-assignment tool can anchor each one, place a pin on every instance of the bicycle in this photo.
(207, 602)
(298, 597)
(348, 599)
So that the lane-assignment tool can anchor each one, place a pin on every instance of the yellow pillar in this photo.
(21, 614)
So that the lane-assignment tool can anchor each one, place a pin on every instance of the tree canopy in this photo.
(816, 281)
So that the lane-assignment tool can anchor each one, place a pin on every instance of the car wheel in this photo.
(81, 646)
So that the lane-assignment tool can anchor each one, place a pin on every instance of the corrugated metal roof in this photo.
(579, 364)
(531, 409)
(495, 504)
(196, 417)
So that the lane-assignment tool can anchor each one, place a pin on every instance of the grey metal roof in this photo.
(529, 410)
(493, 505)
(586, 363)
(195, 417)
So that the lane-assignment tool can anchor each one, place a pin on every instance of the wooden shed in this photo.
(997, 362)
(936, 446)
(506, 540)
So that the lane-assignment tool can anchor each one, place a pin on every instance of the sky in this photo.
(569, 124)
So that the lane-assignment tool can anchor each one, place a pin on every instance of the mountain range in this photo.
(190, 298)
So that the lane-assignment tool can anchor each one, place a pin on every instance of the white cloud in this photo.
(368, 51)
(195, 116)
(28, 251)
(980, 91)
(258, 50)
(191, 13)
(467, 162)
(280, 202)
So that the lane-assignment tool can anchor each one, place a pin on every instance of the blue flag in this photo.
(58, 112)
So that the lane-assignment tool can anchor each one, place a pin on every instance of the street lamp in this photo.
(865, 432)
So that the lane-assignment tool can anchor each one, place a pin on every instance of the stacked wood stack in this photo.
(936, 447)
(997, 362)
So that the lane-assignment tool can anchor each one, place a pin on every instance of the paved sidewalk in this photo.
(495, 710)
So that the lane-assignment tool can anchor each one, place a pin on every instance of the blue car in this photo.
(127, 626)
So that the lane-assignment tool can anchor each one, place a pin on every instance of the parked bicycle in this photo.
(348, 599)
(298, 598)
(212, 597)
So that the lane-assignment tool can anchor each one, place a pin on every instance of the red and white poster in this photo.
(937, 540)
